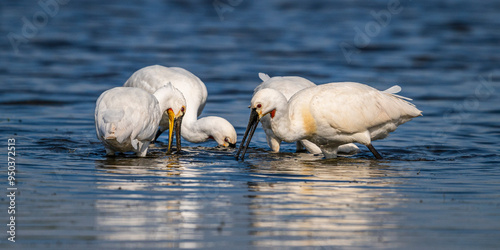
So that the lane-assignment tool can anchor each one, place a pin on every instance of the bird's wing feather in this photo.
(193, 89)
(149, 78)
(128, 113)
(287, 85)
(154, 77)
(353, 107)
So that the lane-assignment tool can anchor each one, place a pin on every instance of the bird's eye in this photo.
(259, 106)
(182, 109)
(226, 139)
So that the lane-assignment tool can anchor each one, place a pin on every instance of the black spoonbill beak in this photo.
(177, 129)
(252, 125)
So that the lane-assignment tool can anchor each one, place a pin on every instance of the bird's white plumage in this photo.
(195, 93)
(154, 77)
(333, 114)
(126, 119)
(289, 86)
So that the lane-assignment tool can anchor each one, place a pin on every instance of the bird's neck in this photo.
(163, 98)
(282, 125)
(194, 130)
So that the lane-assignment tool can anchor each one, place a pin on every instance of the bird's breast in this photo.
(308, 121)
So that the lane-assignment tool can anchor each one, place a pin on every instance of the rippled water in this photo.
(438, 186)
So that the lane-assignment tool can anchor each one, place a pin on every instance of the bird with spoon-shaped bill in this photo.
(127, 119)
(288, 86)
(195, 93)
(331, 115)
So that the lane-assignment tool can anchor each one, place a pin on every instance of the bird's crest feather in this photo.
(394, 90)
(264, 77)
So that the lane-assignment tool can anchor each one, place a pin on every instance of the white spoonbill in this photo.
(330, 115)
(194, 91)
(126, 119)
(288, 86)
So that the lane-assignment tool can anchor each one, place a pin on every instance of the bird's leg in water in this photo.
(300, 147)
(374, 151)
(158, 133)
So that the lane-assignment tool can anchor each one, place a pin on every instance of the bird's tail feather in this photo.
(110, 130)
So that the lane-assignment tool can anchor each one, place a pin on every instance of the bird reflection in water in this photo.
(314, 202)
(157, 199)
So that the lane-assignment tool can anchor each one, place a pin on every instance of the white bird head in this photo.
(173, 104)
(170, 97)
(266, 101)
(220, 130)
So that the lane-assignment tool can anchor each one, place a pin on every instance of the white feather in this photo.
(333, 114)
(393, 90)
(289, 86)
(126, 119)
(264, 77)
(195, 93)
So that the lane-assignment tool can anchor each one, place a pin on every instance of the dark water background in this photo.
(439, 186)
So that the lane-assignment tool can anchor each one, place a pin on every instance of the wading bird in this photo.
(126, 119)
(194, 91)
(288, 86)
(330, 115)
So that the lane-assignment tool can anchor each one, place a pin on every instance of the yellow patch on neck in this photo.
(308, 121)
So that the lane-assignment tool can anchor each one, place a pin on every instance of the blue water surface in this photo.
(437, 188)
